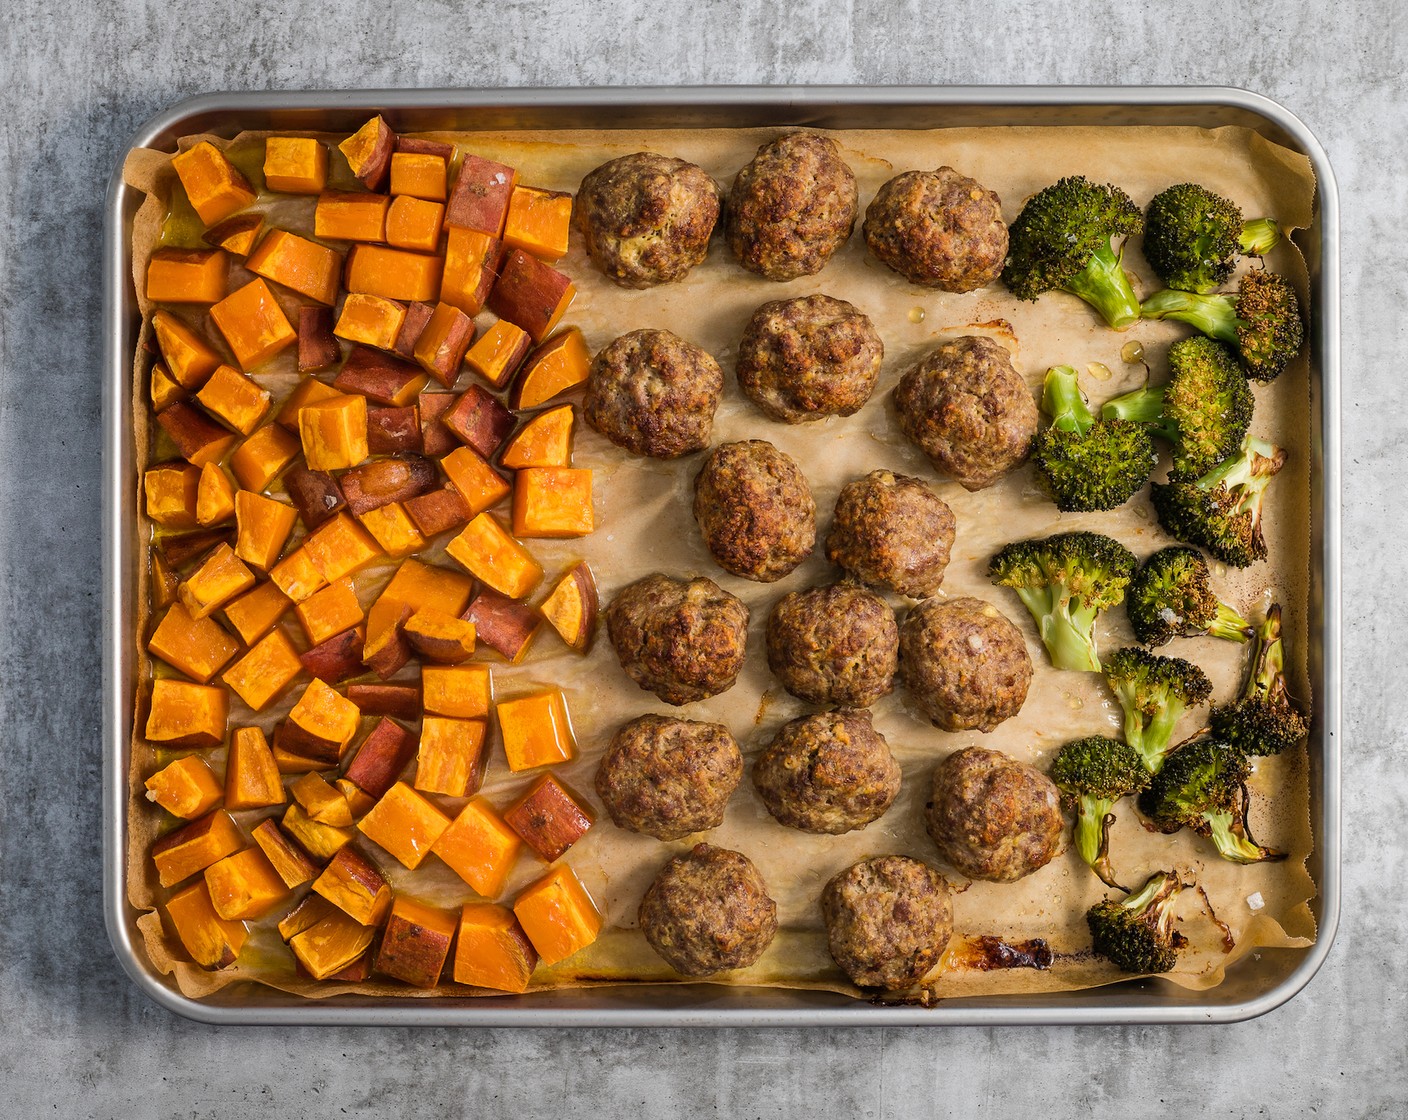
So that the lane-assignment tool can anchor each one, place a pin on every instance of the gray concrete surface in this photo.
(76, 1039)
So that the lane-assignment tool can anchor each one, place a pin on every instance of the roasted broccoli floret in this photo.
(1094, 773)
(1192, 237)
(1222, 510)
(1088, 464)
(1061, 240)
(1204, 410)
(1264, 720)
(1154, 692)
(1171, 596)
(1066, 580)
(1261, 322)
(1203, 786)
(1137, 934)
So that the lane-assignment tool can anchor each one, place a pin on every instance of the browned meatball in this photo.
(964, 662)
(755, 510)
(708, 910)
(809, 358)
(831, 773)
(647, 218)
(888, 920)
(654, 394)
(681, 641)
(938, 228)
(836, 645)
(792, 207)
(669, 777)
(968, 410)
(993, 817)
(892, 530)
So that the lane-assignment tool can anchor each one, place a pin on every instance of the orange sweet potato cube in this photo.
(252, 779)
(461, 691)
(186, 788)
(404, 823)
(337, 658)
(439, 637)
(317, 348)
(197, 437)
(244, 886)
(235, 235)
(538, 222)
(558, 915)
(221, 578)
(492, 951)
(384, 481)
(549, 819)
(442, 343)
(372, 320)
(297, 575)
(394, 273)
(382, 756)
(188, 357)
(215, 496)
(489, 554)
(506, 626)
(308, 391)
(263, 457)
(187, 715)
(472, 263)
(321, 841)
(480, 848)
(198, 647)
(552, 502)
(451, 757)
(428, 585)
(164, 389)
(216, 189)
(334, 432)
(262, 527)
(392, 528)
(572, 607)
(481, 194)
(386, 649)
(326, 718)
(380, 377)
(359, 801)
(477, 483)
(173, 491)
(439, 511)
(498, 353)
(194, 847)
(353, 884)
(261, 675)
(559, 364)
(530, 293)
(234, 398)
(187, 275)
(536, 730)
(164, 581)
(253, 323)
(254, 613)
(289, 861)
(295, 164)
(420, 175)
(321, 800)
(413, 223)
(330, 611)
(339, 547)
(308, 913)
(301, 265)
(368, 152)
(212, 941)
(416, 942)
(351, 216)
(544, 441)
(328, 947)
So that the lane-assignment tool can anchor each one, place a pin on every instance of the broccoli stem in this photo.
(1069, 638)
(1215, 315)
(1092, 835)
(1232, 843)
(1268, 676)
(1156, 889)
(1143, 406)
(1062, 400)
(1228, 624)
(1104, 285)
(1259, 236)
(1158, 736)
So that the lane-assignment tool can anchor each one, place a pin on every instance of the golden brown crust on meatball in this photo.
(892, 530)
(809, 358)
(647, 218)
(755, 510)
(681, 641)
(968, 410)
(938, 228)
(964, 663)
(654, 394)
(668, 777)
(829, 773)
(888, 921)
(836, 645)
(993, 818)
(708, 911)
(792, 207)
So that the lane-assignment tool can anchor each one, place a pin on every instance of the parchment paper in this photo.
(645, 525)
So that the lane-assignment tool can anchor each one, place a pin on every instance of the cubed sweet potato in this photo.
(392, 528)
(262, 528)
(492, 556)
(254, 613)
(295, 164)
(436, 439)
(548, 818)
(297, 575)
(393, 430)
(173, 493)
(559, 364)
(163, 388)
(188, 356)
(326, 718)
(544, 441)
(187, 275)
(479, 200)
(387, 649)
(414, 223)
(472, 264)
(298, 264)
(261, 675)
(289, 861)
(498, 353)
(384, 481)
(337, 657)
(370, 320)
(306, 392)
(330, 611)
(369, 151)
(197, 647)
(263, 457)
(253, 323)
(187, 715)
(440, 637)
(463, 691)
(379, 270)
(185, 788)
(415, 943)
(315, 494)
(330, 946)
(215, 497)
(536, 730)
(380, 377)
(492, 951)
(236, 235)
(478, 484)
(480, 420)
(558, 915)
(538, 222)
(198, 439)
(334, 432)
(417, 315)
(405, 824)
(352, 883)
(359, 801)
(188, 549)
(400, 700)
(429, 585)
(317, 347)
(244, 886)
(480, 848)
(571, 607)
(387, 751)
(194, 847)
(211, 941)
(321, 841)
(351, 216)
(442, 343)
(213, 185)
(505, 625)
(252, 778)
(451, 756)
(339, 547)
(438, 511)
(419, 175)
(531, 294)
(552, 502)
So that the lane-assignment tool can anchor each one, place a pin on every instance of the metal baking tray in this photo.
(1256, 985)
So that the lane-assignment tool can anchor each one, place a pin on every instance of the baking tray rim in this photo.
(1044, 1009)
